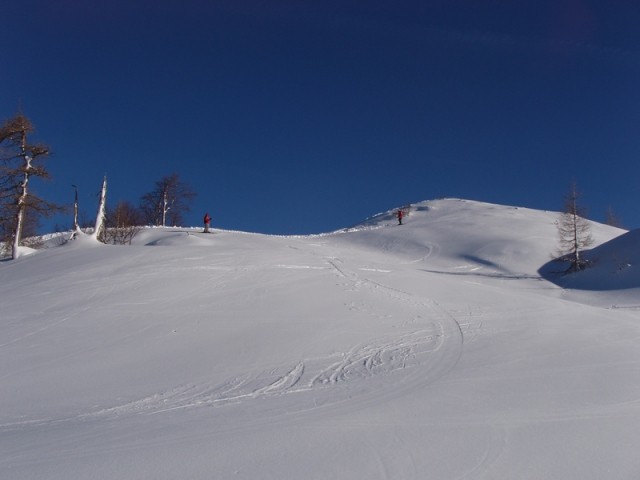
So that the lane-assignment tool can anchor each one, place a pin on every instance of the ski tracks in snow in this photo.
(378, 369)
(315, 377)
(350, 378)
(370, 372)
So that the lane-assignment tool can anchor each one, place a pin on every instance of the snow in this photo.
(431, 350)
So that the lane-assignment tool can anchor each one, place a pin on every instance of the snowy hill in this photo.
(613, 265)
(428, 350)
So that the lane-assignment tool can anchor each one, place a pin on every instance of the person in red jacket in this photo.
(400, 215)
(207, 222)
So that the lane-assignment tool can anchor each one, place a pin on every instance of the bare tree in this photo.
(574, 231)
(76, 226)
(167, 202)
(102, 209)
(122, 224)
(613, 219)
(19, 162)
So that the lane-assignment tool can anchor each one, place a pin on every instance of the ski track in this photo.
(416, 359)
(364, 362)
(494, 448)
(427, 354)
(381, 358)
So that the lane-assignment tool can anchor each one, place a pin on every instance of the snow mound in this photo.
(468, 237)
(613, 265)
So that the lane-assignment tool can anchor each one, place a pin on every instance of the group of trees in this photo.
(166, 204)
(20, 209)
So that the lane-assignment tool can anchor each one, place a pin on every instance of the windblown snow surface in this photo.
(432, 350)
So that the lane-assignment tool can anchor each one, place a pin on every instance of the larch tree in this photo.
(20, 160)
(574, 231)
(613, 219)
(167, 202)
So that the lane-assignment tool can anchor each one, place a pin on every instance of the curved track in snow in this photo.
(377, 370)
(369, 372)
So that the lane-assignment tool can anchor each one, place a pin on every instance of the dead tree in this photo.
(102, 208)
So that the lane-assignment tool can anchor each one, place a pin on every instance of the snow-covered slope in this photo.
(613, 265)
(428, 350)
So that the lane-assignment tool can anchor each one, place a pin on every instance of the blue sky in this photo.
(304, 117)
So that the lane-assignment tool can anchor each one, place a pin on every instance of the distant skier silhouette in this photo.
(207, 222)
(400, 214)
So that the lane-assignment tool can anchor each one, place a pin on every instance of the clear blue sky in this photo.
(307, 116)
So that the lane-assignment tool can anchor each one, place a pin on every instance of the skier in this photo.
(207, 222)
(400, 215)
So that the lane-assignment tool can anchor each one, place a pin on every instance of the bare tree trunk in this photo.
(76, 227)
(165, 209)
(17, 236)
(101, 210)
(576, 249)
(22, 199)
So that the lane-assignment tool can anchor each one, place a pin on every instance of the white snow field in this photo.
(432, 350)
